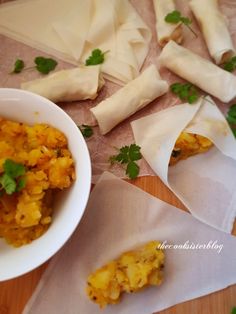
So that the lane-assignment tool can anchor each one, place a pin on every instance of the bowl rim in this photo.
(5, 92)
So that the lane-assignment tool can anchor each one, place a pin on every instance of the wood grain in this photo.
(15, 293)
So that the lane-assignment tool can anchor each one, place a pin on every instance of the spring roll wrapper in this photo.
(205, 183)
(118, 218)
(68, 85)
(214, 28)
(199, 71)
(166, 31)
(129, 99)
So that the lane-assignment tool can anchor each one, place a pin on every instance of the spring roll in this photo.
(199, 71)
(166, 31)
(214, 29)
(132, 97)
(68, 85)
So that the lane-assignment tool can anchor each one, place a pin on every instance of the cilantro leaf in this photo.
(86, 130)
(11, 180)
(18, 66)
(186, 92)
(230, 66)
(8, 183)
(132, 170)
(233, 310)
(97, 57)
(128, 155)
(13, 169)
(45, 65)
(175, 17)
(20, 184)
(231, 118)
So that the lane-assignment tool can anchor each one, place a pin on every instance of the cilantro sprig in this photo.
(175, 17)
(231, 118)
(96, 57)
(12, 179)
(128, 155)
(86, 130)
(230, 65)
(42, 64)
(186, 92)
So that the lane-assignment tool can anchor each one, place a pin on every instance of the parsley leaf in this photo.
(11, 180)
(45, 65)
(175, 17)
(233, 310)
(18, 66)
(96, 57)
(128, 155)
(186, 92)
(86, 130)
(231, 118)
(230, 66)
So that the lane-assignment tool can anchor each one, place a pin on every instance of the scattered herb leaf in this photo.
(233, 310)
(175, 17)
(18, 66)
(231, 118)
(11, 180)
(45, 65)
(86, 130)
(230, 65)
(96, 57)
(186, 92)
(128, 155)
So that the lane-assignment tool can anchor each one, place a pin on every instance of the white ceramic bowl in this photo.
(29, 108)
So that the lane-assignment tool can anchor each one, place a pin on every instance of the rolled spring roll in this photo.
(129, 99)
(199, 71)
(214, 29)
(166, 31)
(68, 85)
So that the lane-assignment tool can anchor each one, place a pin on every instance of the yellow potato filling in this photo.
(131, 272)
(43, 150)
(188, 145)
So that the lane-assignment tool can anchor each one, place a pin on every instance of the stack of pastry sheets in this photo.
(71, 29)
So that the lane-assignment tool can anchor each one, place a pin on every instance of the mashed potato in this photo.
(131, 272)
(43, 150)
(188, 145)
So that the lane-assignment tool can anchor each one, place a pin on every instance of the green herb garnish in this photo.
(86, 130)
(18, 66)
(11, 180)
(231, 118)
(186, 92)
(175, 17)
(128, 155)
(97, 57)
(233, 310)
(230, 65)
(45, 65)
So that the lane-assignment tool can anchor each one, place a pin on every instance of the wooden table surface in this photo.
(15, 293)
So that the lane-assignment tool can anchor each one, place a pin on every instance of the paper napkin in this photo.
(71, 29)
(120, 217)
(205, 183)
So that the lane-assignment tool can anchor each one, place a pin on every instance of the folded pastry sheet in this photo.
(121, 217)
(166, 31)
(129, 99)
(205, 183)
(68, 85)
(199, 71)
(214, 28)
(71, 29)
